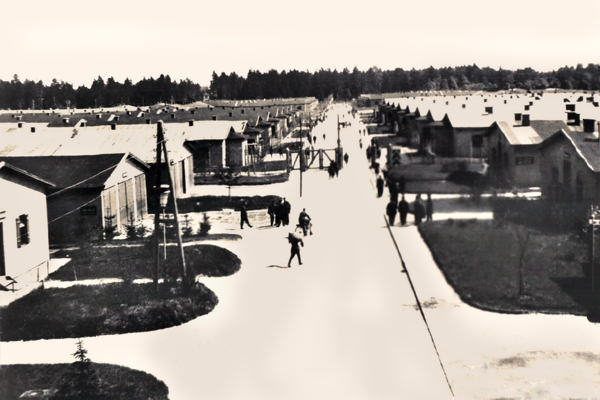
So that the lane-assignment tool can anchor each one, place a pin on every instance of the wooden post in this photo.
(159, 141)
(184, 278)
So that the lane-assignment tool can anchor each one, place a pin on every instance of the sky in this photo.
(77, 41)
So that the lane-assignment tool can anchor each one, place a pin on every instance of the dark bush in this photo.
(81, 311)
(119, 383)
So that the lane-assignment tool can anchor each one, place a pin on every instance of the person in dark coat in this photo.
(278, 213)
(346, 158)
(393, 188)
(376, 166)
(390, 210)
(314, 139)
(304, 222)
(287, 208)
(379, 186)
(336, 169)
(271, 211)
(360, 143)
(244, 216)
(401, 184)
(418, 210)
(429, 207)
(295, 242)
(403, 210)
(330, 171)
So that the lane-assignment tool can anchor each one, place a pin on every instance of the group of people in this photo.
(418, 209)
(279, 212)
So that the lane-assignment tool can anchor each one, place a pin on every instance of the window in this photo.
(524, 160)
(22, 230)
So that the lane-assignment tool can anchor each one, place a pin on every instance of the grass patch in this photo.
(120, 383)
(480, 259)
(134, 262)
(81, 311)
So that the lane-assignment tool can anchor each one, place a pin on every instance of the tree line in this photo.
(343, 84)
(17, 94)
(348, 84)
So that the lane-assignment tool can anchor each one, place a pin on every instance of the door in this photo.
(2, 265)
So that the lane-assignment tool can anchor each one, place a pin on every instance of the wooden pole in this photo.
(159, 140)
(184, 278)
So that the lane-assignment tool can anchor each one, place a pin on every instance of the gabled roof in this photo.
(90, 171)
(5, 166)
(535, 133)
(586, 145)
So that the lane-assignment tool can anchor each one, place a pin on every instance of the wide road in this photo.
(341, 326)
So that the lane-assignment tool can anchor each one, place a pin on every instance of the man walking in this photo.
(346, 158)
(244, 216)
(391, 211)
(403, 210)
(295, 242)
(429, 208)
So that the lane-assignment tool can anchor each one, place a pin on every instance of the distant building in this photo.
(513, 149)
(570, 167)
(24, 247)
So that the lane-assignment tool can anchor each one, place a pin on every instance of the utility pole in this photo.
(301, 155)
(159, 141)
(184, 278)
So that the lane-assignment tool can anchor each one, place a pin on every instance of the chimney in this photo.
(191, 122)
(526, 107)
(113, 126)
(485, 100)
(573, 119)
(525, 120)
(489, 110)
(570, 107)
(19, 124)
(517, 117)
(589, 125)
(32, 129)
(464, 106)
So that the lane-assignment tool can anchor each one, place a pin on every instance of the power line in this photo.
(412, 286)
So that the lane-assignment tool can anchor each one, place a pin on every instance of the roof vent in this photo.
(113, 126)
(19, 124)
(573, 119)
(191, 122)
(525, 120)
(589, 125)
